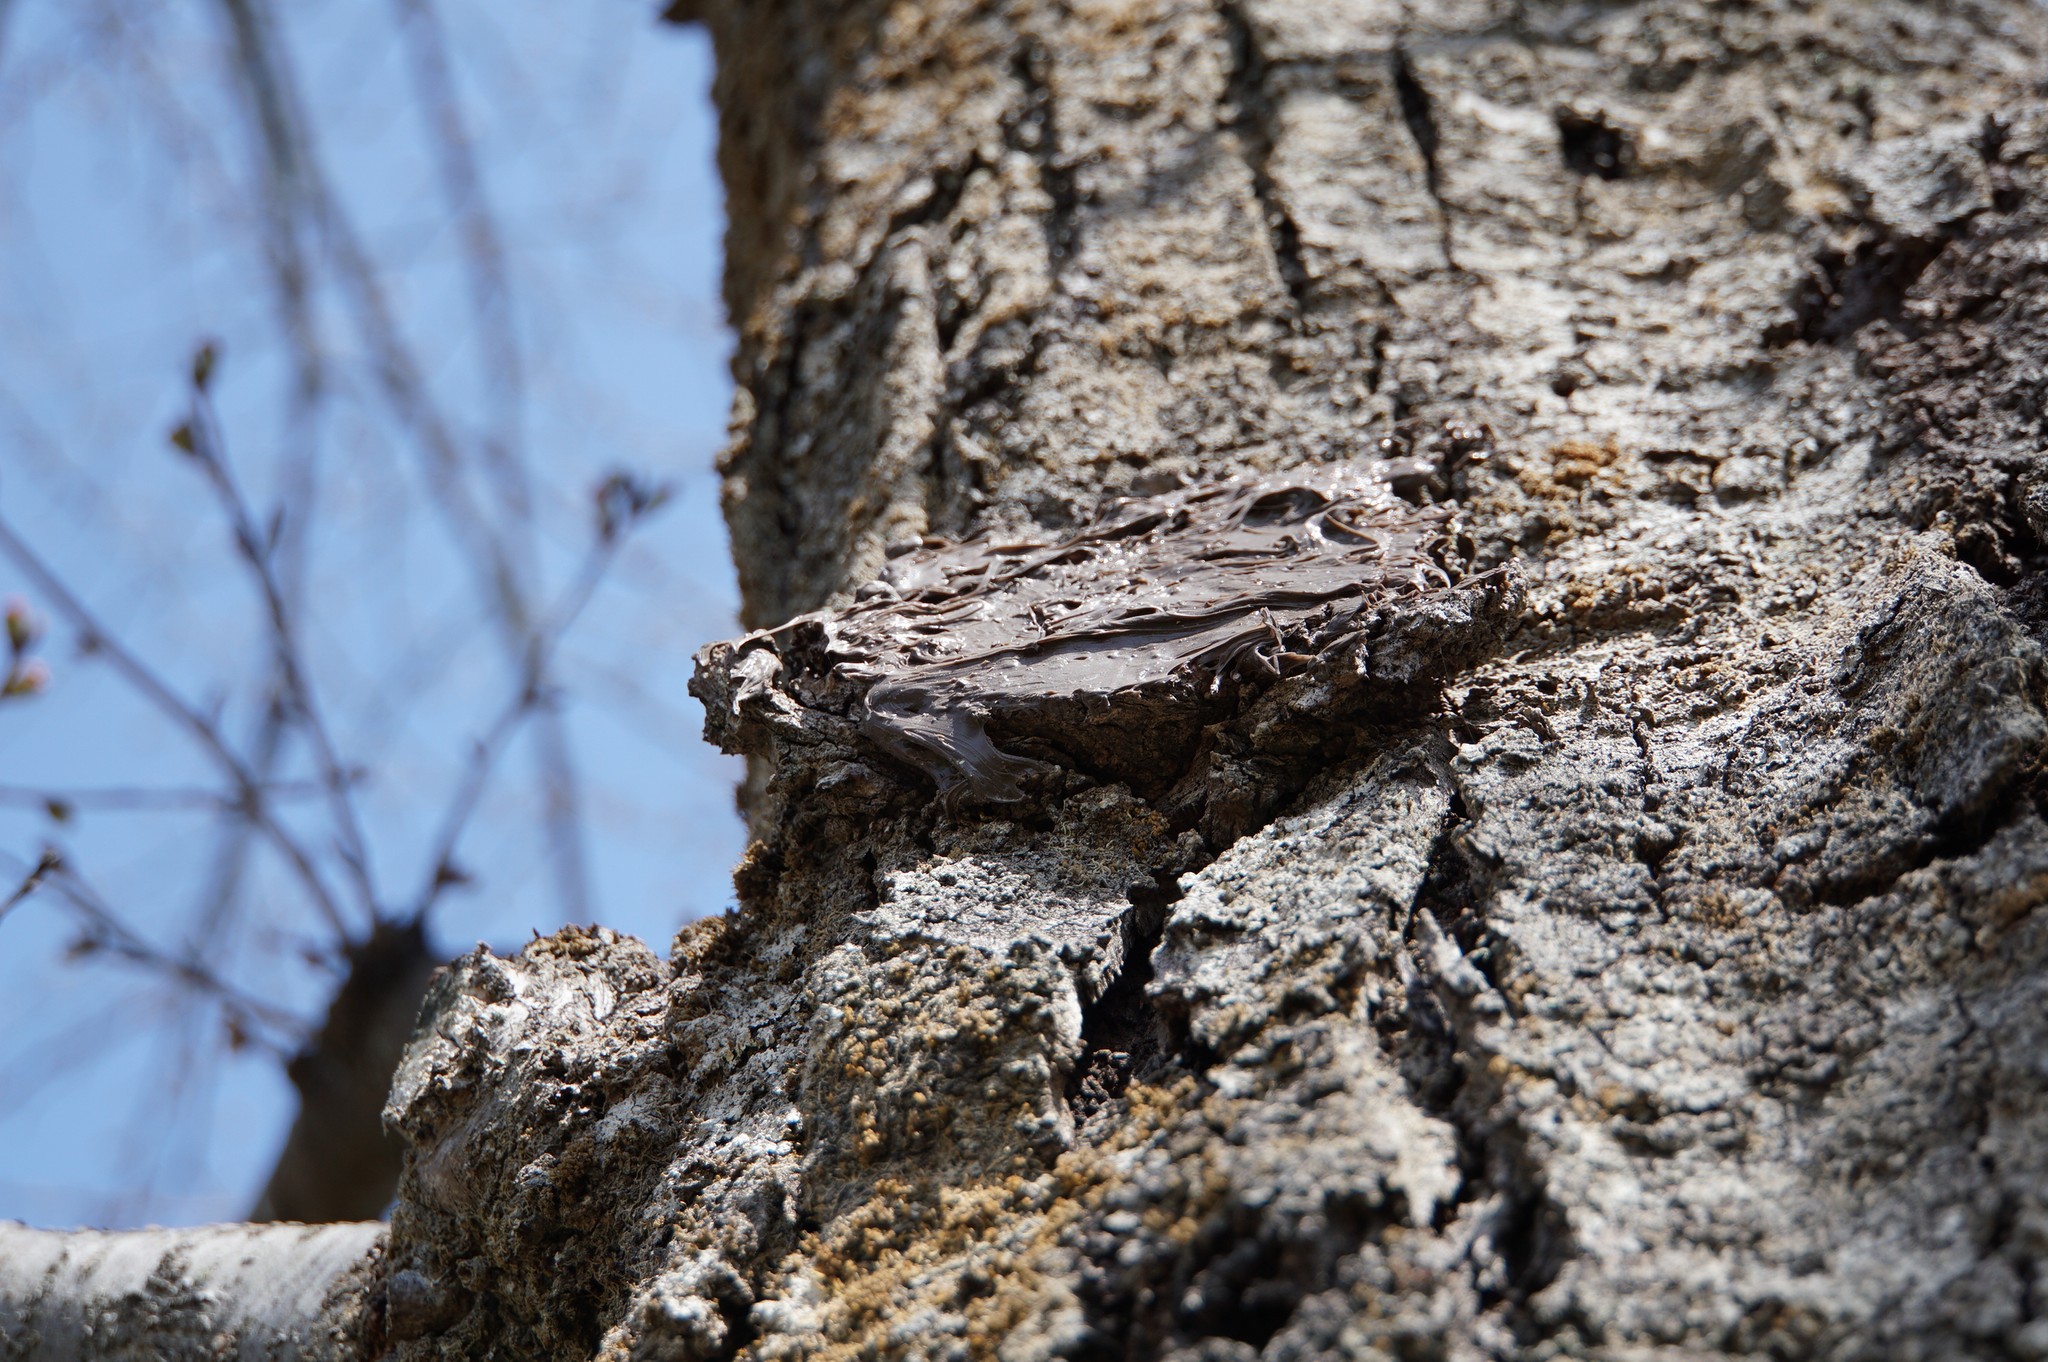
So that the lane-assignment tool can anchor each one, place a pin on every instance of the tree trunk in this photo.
(338, 1162)
(1613, 931)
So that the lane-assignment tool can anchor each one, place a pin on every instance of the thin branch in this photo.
(405, 391)
(273, 93)
(202, 729)
(490, 285)
(146, 799)
(283, 199)
(107, 933)
(45, 866)
(220, 893)
(531, 695)
(205, 445)
(116, 938)
(490, 299)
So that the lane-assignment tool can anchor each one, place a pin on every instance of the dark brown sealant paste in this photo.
(1149, 610)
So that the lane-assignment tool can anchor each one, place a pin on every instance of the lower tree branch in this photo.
(300, 1292)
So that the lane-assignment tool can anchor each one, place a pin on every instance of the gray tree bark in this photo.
(1654, 969)
(258, 1293)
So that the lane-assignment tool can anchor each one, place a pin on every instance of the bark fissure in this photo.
(1525, 1241)
(1251, 102)
(1418, 115)
(1511, 1018)
(1124, 1036)
(1032, 66)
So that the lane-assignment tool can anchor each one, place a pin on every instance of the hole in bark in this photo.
(740, 1333)
(1533, 1241)
(1594, 146)
(1847, 290)
(1124, 1038)
(1248, 1295)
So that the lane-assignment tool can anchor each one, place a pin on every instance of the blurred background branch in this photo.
(411, 289)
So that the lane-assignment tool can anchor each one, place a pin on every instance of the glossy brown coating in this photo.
(1140, 619)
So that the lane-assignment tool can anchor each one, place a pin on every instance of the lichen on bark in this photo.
(1118, 645)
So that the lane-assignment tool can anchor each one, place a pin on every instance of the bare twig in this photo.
(483, 488)
(275, 106)
(490, 285)
(405, 391)
(106, 933)
(530, 695)
(61, 802)
(112, 936)
(44, 867)
(220, 892)
(283, 200)
(203, 442)
(202, 729)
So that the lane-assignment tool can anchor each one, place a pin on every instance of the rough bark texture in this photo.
(1666, 978)
(1666, 982)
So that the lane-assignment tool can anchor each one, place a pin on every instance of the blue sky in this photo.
(129, 232)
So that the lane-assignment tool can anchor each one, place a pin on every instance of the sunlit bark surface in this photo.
(1663, 980)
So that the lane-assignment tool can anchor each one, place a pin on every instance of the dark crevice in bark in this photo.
(1124, 1036)
(871, 888)
(936, 209)
(740, 1333)
(974, 404)
(1850, 287)
(1245, 1273)
(1655, 840)
(1420, 1033)
(767, 603)
(1525, 1226)
(1591, 145)
(1418, 111)
(1533, 1239)
(1872, 277)
(1377, 340)
(1431, 1037)
(1239, 1277)
(1958, 836)
(1453, 893)
(948, 183)
(1041, 138)
(1251, 118)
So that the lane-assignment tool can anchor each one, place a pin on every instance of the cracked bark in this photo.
(1615, 1038)
(1671, 985)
